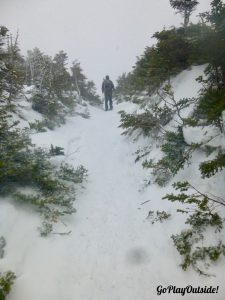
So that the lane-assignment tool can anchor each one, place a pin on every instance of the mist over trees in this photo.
(55, 87)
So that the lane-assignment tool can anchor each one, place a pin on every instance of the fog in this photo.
(106, 36)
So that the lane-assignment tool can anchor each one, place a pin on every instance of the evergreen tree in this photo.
(61, 78)
(11, 67)
(85, 89)
(15, 64)
(78, 78)
(3, 68)
(34, 67)
(185, 8)
(90, 93)
(125, 85)
(175, 50)
(216, 40)
(39, 70)
(24, 165)
(211, 103)
(6, 281)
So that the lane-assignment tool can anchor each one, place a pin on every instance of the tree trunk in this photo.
(76, 83)
(186, 19)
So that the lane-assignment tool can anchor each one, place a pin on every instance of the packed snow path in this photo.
(113, 252)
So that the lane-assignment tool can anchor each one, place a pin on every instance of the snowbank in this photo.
(113, 252)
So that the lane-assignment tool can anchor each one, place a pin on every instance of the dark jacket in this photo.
(107, 86)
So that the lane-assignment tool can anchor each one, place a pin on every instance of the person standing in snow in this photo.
(107, 89)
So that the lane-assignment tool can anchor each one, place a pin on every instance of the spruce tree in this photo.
(11, 67)
(6, 281)
(3, 68)
(35, 67)
(85, 89)
(185, 8)
(61, 77)
(15, 64)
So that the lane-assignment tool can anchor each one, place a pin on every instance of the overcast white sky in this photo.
(106, 36)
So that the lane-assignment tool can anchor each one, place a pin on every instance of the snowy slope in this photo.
(113, 252)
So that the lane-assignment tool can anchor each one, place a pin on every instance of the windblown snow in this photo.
(113, 251)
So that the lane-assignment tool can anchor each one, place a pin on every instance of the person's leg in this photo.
(110, 101)
(106, 101)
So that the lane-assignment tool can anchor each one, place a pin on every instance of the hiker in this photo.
(107, 88)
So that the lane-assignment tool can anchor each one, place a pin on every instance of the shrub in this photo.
(6, 281)
(24, 165)
(200, 217)
(176, 153)
(146, 122)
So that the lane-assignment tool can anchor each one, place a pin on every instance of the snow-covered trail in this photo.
(106, 256)
(113, 252)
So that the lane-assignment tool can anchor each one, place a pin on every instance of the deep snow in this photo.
(113, 252)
